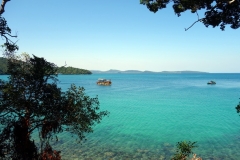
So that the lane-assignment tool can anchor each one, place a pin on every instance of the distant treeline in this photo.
(72, 70)
(3, 65)
(61, 70)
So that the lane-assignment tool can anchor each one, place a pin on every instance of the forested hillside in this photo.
(61, 70)
(72, 70)
(3, 65)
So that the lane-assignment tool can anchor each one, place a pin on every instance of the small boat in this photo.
(104, 82)
(211, 82)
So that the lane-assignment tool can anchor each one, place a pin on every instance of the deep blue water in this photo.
(150, 113)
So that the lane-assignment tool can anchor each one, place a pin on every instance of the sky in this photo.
(122, 35)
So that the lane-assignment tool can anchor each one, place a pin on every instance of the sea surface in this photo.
(150, 113)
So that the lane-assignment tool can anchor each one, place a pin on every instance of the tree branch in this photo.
(3, 6)
(2, 115)
(10, 35)
(199, 20)
(231, 1)
(193, 24)
(7, 39)
(35, 127)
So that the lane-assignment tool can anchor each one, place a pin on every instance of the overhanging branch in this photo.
(199, 20)
(193, 24)
(231, 1)
(3, 6)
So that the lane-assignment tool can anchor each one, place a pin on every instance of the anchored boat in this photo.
(104, 82)
(211, 82)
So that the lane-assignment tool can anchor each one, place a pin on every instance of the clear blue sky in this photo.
(124, 35)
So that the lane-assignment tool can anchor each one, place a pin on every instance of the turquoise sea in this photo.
(150, 113)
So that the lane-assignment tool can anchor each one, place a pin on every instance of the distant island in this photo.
(61, 70)
(72, 70)
(114, 71)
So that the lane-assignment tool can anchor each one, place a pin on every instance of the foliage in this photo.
(30, 101)
(3, 65)
(217, 12)
(184, 149)
(60, 70)
(9, 46)
(71, 70)
(238, 107)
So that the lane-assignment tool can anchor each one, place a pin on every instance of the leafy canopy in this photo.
(217, 12)
(184, 149)
(30, 101)
(5, 32)
(9, 46)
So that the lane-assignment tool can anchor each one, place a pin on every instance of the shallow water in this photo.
(150, 113)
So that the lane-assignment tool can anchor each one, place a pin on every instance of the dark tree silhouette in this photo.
(30, 101)
(217, 12)
(9, 46)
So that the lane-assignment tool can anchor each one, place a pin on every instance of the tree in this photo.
(238, 108)
(184, 149)
(30, 101)
(9, 46)
(217, 12)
